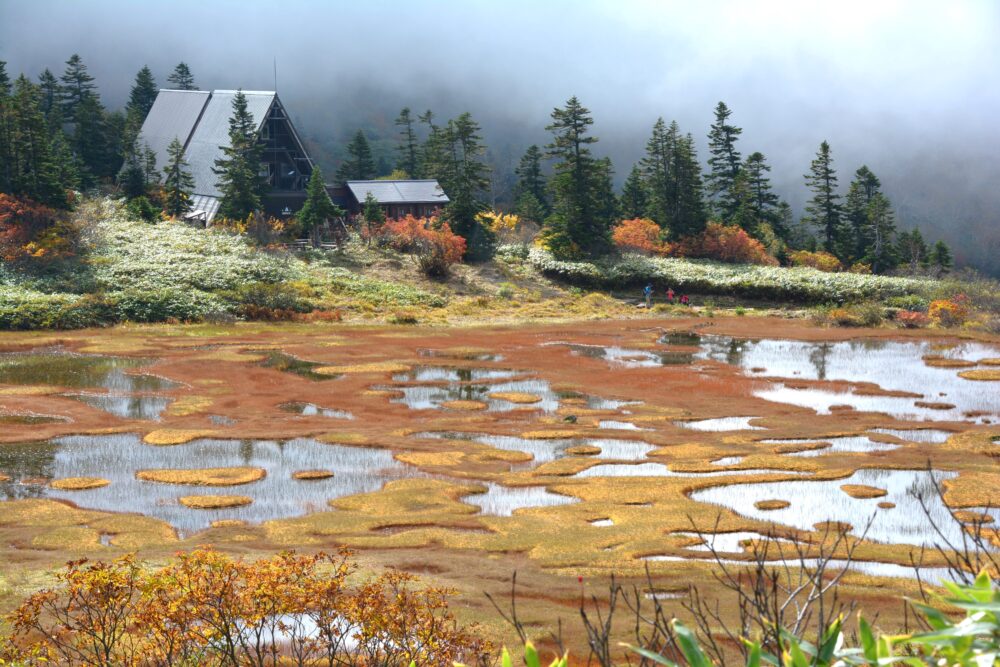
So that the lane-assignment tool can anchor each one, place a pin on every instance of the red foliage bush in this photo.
(912, 319)
(639, 235)
(29, 230)
(727, 243)
(434, 245)
(949, 312)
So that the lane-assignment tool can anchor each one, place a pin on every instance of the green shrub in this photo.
(140, 208)
(912, 302)
(270, 296)
(167, 304)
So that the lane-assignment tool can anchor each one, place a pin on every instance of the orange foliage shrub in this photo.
(29, 230)
(207, 608)
(820, 260)
(949, 312)
(727, 243)
(912, 319)
(434, 245)
(639, 235)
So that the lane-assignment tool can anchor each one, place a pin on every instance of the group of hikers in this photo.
(648, 293)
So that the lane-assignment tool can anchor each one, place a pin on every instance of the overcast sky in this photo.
(900, 85)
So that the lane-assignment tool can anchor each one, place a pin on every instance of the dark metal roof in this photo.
(427, 191)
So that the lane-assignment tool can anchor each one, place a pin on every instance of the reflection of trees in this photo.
(819, 357)
(23, 461)
(464, 374)
(246, 451)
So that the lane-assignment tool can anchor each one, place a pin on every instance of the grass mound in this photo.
(78, 483)
(203, 476)
(214, 502)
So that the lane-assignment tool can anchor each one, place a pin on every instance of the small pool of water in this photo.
(934, 436)
(815, 501)
(892, 365)
(614, 425)
(933, 575)
(118, 457)
(287, 363)
(859, 443)
(660, 470)
(58, 368)
(449, 374)
(545, 450)
(725, 542)
(313, 410)
(728, 461)
(622, 357)
(429, 397)
(135, 406)
(505, 500)
(721, 424)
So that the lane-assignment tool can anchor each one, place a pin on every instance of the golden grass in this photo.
(214, 502)
(886, 505)
(189, 405)
(78, 483)
(228, 523)
(68, 538)
(428, 459)
(342, 438)
(863, 491)
(990, 361)
(933, 405)
(370, 367)
(464, 405)
(973, 489)
(312, 474)
(234, 356)
(516, 397)
(4, 478)
(550, 435)
(982, 374)
(965, 516)
(583, 450)
(203, 476)
(768, 505)
(28, 390)
(174, 436)
(936, 361)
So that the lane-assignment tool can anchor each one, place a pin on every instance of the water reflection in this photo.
(816, 501)
(286, 363)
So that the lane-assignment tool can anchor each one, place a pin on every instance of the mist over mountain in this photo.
(909, 88)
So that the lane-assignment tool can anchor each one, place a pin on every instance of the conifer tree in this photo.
(359, 164)
(33, 172)
(318, 207)
(409, 148)
(181, 78)
(912, 249)
(689, 215)
(6, 168)
(824, 209)
(577, 225)
(178, 183)
(762, 201)
(77, 87)
(51, 92)
(880, 229)
(239, 170)
(634, 199)
(657, 168)
(464, 177)
(142, 96)
(724, 163)
(531, 181)
(862, 191)
(941, 257)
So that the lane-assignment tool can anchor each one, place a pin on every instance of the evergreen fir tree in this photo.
(689, 215)
(133, 177)
(409, 148)
(824, 209)
(941, 258)
(880, 228)
(178, 183)
(531, 181)
(239, 170)
(93, 141)
(763, 202)
(724, 163)
(142, 96)
(464, 177)
(577, 226)
(318, 207)
(359, 164)
(77, 86)
(181, 78)
(912, 249)
(862, 191)
(51, 92)
(33, 171)
(66, 165)
(6, 168)
(529, 208)
(657, 169)
(634, 199)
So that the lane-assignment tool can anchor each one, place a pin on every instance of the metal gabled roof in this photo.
(426, 191)
(200, 120)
